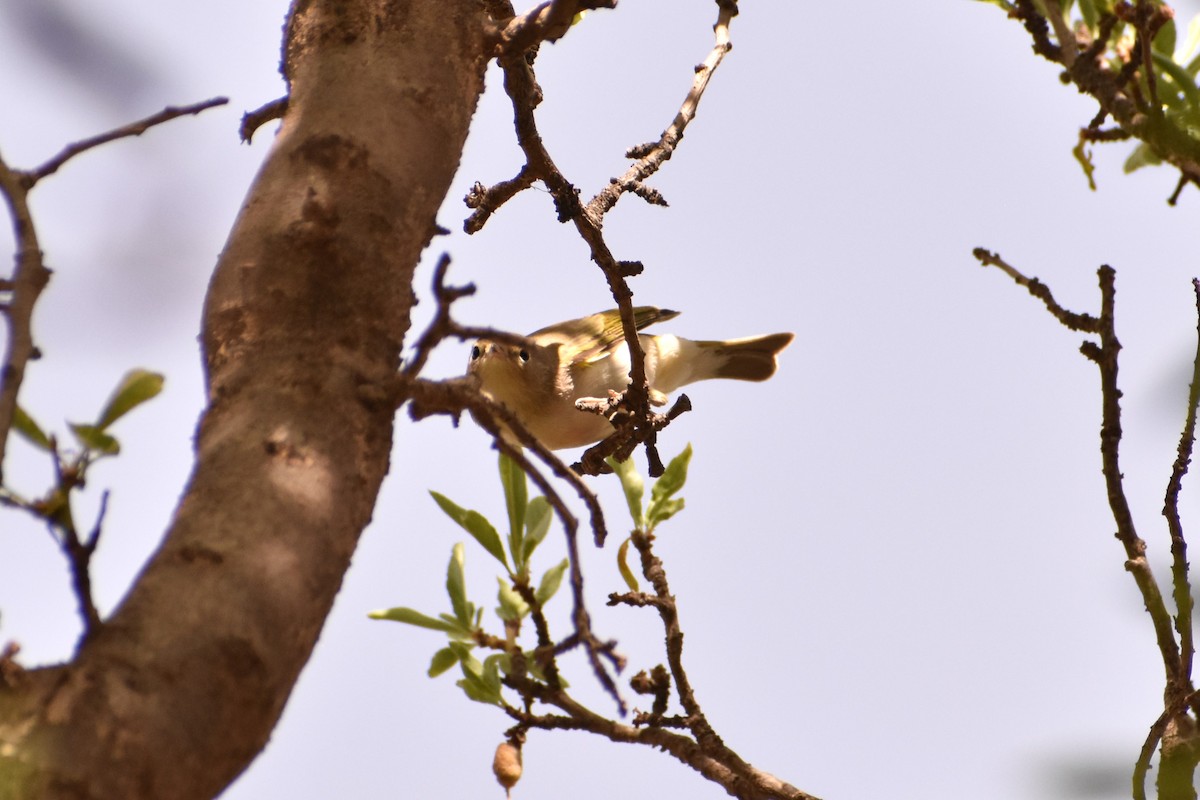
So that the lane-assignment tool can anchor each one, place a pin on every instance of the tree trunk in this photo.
(304, 321)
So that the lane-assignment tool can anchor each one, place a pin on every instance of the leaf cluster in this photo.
(663, 502)
(517, 597)
(94, 441)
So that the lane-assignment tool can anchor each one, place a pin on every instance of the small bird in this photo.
(541, 380)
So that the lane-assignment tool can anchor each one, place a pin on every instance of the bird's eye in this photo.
(475, 352)
(524, 354)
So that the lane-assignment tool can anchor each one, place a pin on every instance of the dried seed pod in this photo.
(507, 765)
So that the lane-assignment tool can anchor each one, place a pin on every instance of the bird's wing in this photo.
(595, 336)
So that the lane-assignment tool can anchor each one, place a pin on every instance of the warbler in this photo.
(541, 380)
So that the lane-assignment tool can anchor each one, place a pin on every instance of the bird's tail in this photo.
(675, 361)
(750, 359)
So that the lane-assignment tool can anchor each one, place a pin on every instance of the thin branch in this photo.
(30, 274)
(547, 22)
(1179, 563)
(1110, 444)
(640, 425)
(1105, 355)
(30, 277)
(79, 553)
(253, 120)
(579, 616)
(652, 156)
(750, 783)
(1084, 323)
(664, 603)
(132, 129)
(453, 397)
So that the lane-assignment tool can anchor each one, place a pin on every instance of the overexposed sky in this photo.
(896, 570)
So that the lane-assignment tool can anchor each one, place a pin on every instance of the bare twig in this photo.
(132, 129)
(79, 552)
(253, 120)
(30, 277)
(547, 22)
(1179, 564)
(1076, 322)
(1173, 729)
(652, 156)
(30, 274)
(738, 778)
(664, 603)
(1105, 356)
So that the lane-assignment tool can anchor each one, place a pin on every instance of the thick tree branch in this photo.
(306, 312)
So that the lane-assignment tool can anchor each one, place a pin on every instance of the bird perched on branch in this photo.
(541, 380)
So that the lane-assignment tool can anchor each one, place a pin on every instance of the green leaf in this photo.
(442, 660)
(634, 488)
(95, 439)
(512, 606)
(475, 524)
(1180, 77)
(674, 477)
(412, 617)
(663, 511)
(1087, 10)
(662, 506)
(1164, 40)
(30, 430)
(1142, 156)
(1004, 4)
(550, 582)
(456, 586)
(516, 495)
(135, 388)
(477, 683)
(537, 525)
(622, 555)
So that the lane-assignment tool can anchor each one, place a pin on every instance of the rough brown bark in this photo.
(304, 322)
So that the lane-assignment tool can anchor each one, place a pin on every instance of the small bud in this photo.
(507, 766)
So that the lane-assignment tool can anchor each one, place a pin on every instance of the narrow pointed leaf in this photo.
(537, 524)
(442, 660)
(622, 564)
(475, 524)
(412, 617)
(634, 486)
(664, 510)
(512, 607)
(135, 388)
(95, 439)
(673, 477)
(30, 430)
(456, 585)
(550, 582)
(516, 496)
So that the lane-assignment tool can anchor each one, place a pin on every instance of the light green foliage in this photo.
(95, 442)
(663, 502)
(528, 524)
(516, 596)
(1175, 65)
